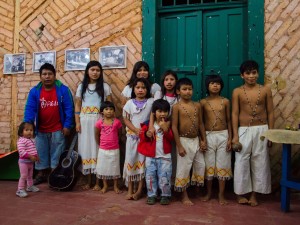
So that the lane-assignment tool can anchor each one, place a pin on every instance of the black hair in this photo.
(183, 81)
(213, 79)
(160, 104)
(22, 126)
(163, 89)
(248, 65)
(107, 104)
(138, 65)
(86, 80)
(147, 85)
(47, 66)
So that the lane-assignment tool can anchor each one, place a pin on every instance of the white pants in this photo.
(252, 171)
(217, 158)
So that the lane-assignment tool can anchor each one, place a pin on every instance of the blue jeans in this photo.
(158, 173)
(49, 147)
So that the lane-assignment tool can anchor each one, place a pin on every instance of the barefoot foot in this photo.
(117, 190)
(205, 198)
(242, 200)
(222, 200)
(96, 188)
(137, 195)
(85, 187)
(253, 201)
(103, 190)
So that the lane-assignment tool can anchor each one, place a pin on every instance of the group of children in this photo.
(168, 133)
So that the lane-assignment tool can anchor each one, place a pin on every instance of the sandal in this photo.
(151, 200)
(164, 201)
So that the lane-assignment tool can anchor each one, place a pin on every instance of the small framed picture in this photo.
(14, 63)
(113, 56)
(40, 58)
(77, 59)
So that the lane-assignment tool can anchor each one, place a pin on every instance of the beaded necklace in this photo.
(217, 114)
(108, 128)
(193, 120)
(90, 91)
(254, 115)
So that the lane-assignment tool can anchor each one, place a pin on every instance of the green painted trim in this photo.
(256, 34)
(149, 34)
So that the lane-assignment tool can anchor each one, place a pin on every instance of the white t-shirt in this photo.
(127, 90)
(91, 97)
(159, 143)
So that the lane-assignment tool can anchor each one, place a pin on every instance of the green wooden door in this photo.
(224, 46)
(180, 47)
(199, 43)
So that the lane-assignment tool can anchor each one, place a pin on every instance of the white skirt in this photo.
(87, 146)
(108, 164)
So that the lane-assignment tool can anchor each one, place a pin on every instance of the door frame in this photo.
(255, 18)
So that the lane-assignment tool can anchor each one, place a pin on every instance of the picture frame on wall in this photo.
(40, 58)
(112, 57)
(14, 63)
(76, 59)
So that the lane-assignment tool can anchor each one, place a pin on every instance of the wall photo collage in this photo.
(110, 57)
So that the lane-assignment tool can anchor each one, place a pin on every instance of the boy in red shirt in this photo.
(157, 150)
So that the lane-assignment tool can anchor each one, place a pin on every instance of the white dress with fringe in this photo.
(89, 114)
(134, 166)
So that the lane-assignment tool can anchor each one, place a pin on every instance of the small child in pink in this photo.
(27, 156)
(107, 136)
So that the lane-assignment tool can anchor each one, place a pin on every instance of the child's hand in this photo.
(203, 146)
(181, 151)
(228, 147)
(33, 158)
(164, 125)
(269, 144)
(137, 131)
(149, 134)
(152, 130)
(78, 127)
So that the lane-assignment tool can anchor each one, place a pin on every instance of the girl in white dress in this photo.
(136, 111)
(89, 95)
(140, 70)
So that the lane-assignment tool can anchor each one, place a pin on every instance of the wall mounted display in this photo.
(40, 58)
(14, 63)
(77, 59)
(113, 56)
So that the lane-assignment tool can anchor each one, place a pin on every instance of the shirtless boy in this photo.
(217, 122)
(252, 115)
(187, 125)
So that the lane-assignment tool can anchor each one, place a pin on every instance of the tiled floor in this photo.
(89, 207)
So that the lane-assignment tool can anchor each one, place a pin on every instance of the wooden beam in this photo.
(14, 88)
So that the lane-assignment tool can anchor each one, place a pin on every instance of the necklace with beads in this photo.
(254, 114)
(107, 129)
(217, 114)
(193, 120)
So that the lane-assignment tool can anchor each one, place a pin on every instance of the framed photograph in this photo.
(14, 63)
(40, 58)
(113, 56)
(77, 59)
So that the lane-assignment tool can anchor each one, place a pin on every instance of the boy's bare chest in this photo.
(254, 98)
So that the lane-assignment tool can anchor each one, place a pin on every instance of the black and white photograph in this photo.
(77, 59)
(14, 63)
(40, 58)
(112, 57)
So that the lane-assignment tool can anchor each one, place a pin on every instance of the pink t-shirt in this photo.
(109, 139)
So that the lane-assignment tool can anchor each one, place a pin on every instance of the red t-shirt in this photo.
(49, 119)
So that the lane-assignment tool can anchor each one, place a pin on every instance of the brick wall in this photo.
(6, 46)
(282, 66)
(67, 24)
